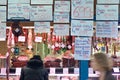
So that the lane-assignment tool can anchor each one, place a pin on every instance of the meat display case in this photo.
(58, 73)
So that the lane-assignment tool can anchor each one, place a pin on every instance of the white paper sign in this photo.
(2, 13)
(42, 27)
(82, 48)
(108, 2)
(19, 1)
(2, 31)
(81, 28)
(76, 70)
(61, 17)
(82, 9)
(38, 39)
(116, 69)
(107, 29)
(65, 70)
(21, 38)
(41, 13)
(3, 2)
(62, 6)
(18, 11)
(52, 70)
(41, 1)
(61, 29)
(107, 12)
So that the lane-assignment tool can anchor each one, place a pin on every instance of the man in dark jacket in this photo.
(34, 70)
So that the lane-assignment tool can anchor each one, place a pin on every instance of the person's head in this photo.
(35, 62)
(101, 62)
(37, 57)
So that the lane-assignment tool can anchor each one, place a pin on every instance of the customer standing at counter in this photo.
(34, 70)
(102, 63)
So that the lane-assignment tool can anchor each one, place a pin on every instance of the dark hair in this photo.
(37, 57)
(35, 62)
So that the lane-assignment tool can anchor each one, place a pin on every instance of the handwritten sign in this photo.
(41, 1)
(61, 29)
(41, 13)
(42, 27)
(61, 17)
(62, 6)
(108, 2)
(2, 31)
(107, 29)
(3, 2)
(18, 10)
(81, 28)
(82, 9)
(82, 48)
(2, 13)
(19, 1)
(107, 12)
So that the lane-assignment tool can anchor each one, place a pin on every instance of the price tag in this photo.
(52, 70)
(18, 71)
(65, 70)
(21, 38)
(3, 71)
(76, 70)
(90, 70)
(38, 39)
(116, 70)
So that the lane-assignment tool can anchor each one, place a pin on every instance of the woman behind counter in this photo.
(102, 63)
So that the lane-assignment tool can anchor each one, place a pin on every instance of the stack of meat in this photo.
(19, 61)
(52, 62)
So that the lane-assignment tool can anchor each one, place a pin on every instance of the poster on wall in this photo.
(61, 29)
(41, 1)
(41, 13)
(62, 6)
(18, 11)
(19, 1)
(107, 12)
(82, 48)
(61, 17)
(81, 28)
(42, 27)
(3, 2)
(2, 13)
(108, 2)
(82, 9)
(107, 29)
(2, 31)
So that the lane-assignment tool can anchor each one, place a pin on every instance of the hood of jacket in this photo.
(35, 63)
